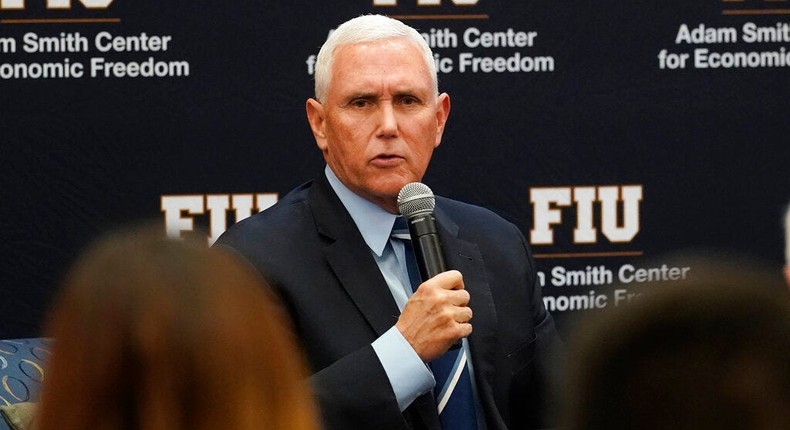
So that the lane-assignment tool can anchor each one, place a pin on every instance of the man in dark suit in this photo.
(326, 248)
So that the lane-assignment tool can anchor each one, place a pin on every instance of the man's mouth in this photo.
(387, 159)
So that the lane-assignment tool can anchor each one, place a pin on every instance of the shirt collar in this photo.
(373, 222)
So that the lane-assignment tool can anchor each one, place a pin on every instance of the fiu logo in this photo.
(618, 209)
(180, 211)
(56, 4)
(425, 2)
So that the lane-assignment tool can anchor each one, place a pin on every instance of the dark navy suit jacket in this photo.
(309, 249)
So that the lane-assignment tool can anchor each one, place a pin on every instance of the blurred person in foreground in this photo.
(377, 339)
(787, 244)
(712, 352)
(156, 333)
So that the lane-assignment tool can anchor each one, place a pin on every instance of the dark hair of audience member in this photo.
(156, 333)
(709, 353)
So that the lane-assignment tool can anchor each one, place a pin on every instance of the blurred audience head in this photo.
(712, 352)
(158, 333)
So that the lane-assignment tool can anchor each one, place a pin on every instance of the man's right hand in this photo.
(437, 315)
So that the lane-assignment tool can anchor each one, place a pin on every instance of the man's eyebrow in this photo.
(361, 95)
(402, 93)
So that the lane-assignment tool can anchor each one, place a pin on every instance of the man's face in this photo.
(381, 118)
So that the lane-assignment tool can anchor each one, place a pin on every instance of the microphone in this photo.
(416, 202)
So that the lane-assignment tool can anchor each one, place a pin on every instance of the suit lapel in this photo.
(350, 259)
(466, 258)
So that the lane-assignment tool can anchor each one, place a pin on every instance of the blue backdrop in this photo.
(611, 133)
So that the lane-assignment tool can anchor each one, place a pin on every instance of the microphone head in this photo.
(415, 198)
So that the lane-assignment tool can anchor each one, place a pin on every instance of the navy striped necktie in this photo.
(453, 390)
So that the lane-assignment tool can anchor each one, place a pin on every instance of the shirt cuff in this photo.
(408, 375)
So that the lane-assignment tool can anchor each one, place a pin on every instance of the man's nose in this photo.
(388, 121)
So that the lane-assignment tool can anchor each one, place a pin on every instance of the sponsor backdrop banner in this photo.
(612, 133)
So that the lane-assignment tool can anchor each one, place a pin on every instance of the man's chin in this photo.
(390, 187)
(386, 194)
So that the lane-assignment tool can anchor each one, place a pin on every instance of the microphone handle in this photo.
(430, 260)
(428, 249)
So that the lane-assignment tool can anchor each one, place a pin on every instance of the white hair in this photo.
(366, 28)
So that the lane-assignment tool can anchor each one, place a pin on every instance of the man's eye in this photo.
(360, 103)
(408, 101)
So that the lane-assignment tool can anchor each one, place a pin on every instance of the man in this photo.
(326, 248)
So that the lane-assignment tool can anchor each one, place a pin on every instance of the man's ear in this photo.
(442, 113)
(315, 116)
